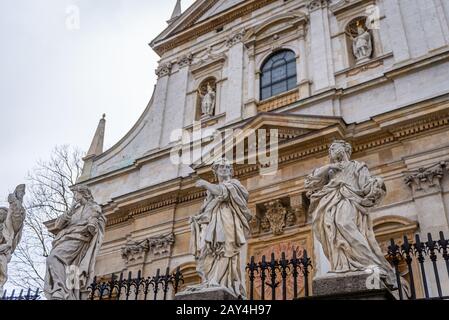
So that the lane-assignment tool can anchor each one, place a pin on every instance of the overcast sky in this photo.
(57, 77)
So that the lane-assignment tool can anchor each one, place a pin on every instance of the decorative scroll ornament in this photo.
(317, 4)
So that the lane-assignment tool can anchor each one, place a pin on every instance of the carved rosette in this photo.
(164, 69)
(425, 178)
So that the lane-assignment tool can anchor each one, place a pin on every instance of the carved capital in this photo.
(425, 178)
(317, 4)
(135, 251)
(160, 246)
(235, 38)
(185, 60)
(164, 69)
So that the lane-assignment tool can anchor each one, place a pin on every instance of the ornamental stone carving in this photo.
(135, 251)
(426, 177)
(154, 247)
(185, 60)
(276, 215)
(164, 69)
(160, 246)
(317, 4)
(235, 38)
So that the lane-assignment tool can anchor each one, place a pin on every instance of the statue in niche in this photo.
(70, 265)
(208, 100)
(11, 228)
(342, 194)
(219, 233)
(362, 46)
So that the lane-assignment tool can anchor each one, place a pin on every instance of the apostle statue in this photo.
(362, 47)
(219, 233)
(79, 235)
(208, 101)
(11, 227)
(342, 194)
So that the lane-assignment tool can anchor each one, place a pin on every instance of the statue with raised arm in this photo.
(11, 227)
(342, 194)
(208, 101)
(219, 233)
(79, 235)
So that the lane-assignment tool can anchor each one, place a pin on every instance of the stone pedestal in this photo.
(205, 294)
(352, 286)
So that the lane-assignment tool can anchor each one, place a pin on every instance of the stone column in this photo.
(323, 76)
(235, 78)
(396, 28)
(301, 65)
(425, 183)
(431, 24)
(250, 109)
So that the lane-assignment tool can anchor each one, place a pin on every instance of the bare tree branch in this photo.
(48, 196)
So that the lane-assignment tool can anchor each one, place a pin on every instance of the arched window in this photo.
(278, 74)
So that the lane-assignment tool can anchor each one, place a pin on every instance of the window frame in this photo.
(286, 79)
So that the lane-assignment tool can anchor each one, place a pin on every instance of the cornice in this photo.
(181, 36)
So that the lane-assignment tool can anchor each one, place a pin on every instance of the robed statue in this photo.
(11, 228)
(208, 101)
(79, 235)
(362, 46)
(219, 232)
(342, 194)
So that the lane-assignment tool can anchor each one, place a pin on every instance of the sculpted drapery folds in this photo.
(70, 265)
(219, 232)
(341, 194)
(11, 227)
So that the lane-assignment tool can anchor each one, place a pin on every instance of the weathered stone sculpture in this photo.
(70, 265)
(362, 45)
(11, 227)
(341, 194)
(219, 233)
(208, 101)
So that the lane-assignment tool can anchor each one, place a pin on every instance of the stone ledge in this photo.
(205, 294)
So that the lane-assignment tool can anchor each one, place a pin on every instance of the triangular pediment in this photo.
(202, 17)
(287, 130)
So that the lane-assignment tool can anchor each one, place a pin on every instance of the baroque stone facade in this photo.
(391, 105)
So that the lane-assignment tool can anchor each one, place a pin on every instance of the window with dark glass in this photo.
(278, 74)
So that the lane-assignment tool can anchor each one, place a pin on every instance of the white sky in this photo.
(55, 83)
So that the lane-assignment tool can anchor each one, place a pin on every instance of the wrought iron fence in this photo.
(422, 263)
(284, 278)
(156, 287)
(30, 295)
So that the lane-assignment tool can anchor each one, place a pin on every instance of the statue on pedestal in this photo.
(342, 194)
(11, 227)
(219, 233)
(70, 265)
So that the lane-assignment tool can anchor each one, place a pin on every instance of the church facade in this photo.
(296, 75)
